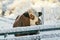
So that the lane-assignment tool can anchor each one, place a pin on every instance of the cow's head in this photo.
(34, 17)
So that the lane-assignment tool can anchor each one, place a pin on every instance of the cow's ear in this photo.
(26, 14)
(17, 17)
(40, 13)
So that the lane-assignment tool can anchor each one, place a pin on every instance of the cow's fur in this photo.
(23, 20)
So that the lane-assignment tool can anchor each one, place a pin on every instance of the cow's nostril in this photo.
(37, 23)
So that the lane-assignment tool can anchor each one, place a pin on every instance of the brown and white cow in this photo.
(27, 19)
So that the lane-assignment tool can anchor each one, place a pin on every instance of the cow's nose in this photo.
(37, 22)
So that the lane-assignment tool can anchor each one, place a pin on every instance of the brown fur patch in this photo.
(21, 21)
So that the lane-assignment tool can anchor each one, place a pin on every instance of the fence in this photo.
(40, 28)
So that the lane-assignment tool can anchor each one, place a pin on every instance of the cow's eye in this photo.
(32, 16)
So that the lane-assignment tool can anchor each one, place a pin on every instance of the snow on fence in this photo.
(29, 28)
(50, 35)
(40, 28)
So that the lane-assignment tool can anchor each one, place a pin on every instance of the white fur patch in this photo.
(32, 22)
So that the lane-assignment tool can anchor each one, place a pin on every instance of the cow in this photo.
(27, 19)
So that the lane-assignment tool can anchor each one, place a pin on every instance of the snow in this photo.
(51, 15)
(51, 35)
